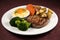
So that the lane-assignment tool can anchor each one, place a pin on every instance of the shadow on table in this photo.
(31, 37)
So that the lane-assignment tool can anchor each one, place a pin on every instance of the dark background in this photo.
(54, 34)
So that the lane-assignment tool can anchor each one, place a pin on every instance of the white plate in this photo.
(31, 31)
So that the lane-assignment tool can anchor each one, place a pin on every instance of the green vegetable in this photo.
(12, 21)
(17, 22)
(20, 23)
(24, 25)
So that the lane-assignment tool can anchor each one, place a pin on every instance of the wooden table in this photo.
(54, 34)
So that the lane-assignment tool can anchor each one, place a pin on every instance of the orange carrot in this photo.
(31, 8)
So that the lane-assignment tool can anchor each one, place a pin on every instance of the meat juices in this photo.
(37, 21)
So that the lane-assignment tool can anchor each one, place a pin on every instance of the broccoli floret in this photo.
(24, 25)
(17, 22)
(12, 21)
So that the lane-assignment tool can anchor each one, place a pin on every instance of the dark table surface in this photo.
(54, 34)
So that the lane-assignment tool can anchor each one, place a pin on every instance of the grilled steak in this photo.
(37, 21)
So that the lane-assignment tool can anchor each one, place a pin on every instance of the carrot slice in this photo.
(31, 8)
